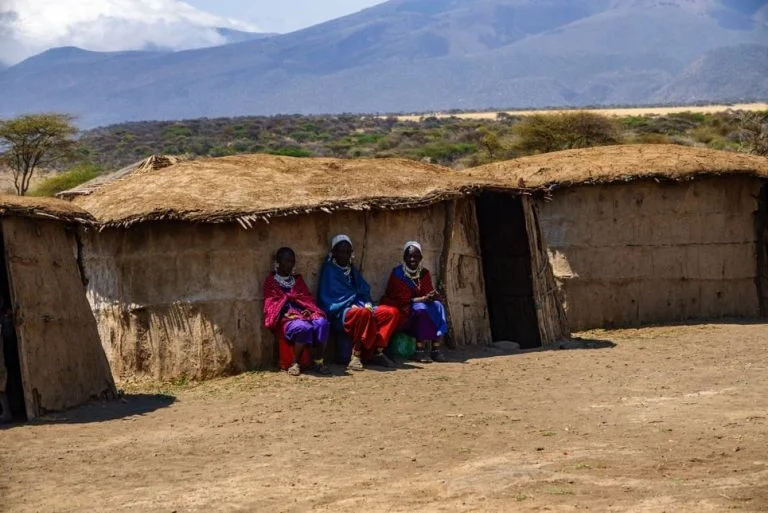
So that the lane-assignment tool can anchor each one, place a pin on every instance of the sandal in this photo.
(355, 364)
(382, 360)
(421, 356)
(294, 370)
(438, 356)
(322, 369)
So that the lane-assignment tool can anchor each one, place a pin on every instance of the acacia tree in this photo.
(35, 140)
(542, 133)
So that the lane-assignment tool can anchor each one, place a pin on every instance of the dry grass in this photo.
(152, 163)
(621, 163)
(249, 188)
(246, 188)
(44, 208)
(636, 111)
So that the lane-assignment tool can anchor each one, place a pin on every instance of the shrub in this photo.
(651, 139)
(290, 152)
(445, 154)
(541, 133)
(66, 180)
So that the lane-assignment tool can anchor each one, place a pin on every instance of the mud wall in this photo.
(648, 252)
(181, 299)
(62, 361)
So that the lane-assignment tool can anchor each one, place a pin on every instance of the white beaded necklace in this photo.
(285, 281)
(346, 268)
(413, 274)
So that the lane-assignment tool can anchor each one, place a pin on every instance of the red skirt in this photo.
(285, 353)
(371, 330)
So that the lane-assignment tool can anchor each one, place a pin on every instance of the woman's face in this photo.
(412, 257)
(342, 253)
(286, 261)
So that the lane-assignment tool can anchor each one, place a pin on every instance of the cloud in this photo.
(28, 27)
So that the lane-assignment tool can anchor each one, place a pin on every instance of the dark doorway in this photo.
(14, 389)
(507, 269)
(761, 233)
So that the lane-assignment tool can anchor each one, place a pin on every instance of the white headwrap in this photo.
(412, 244)
(340, 238)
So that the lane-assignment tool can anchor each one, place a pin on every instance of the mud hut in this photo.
(51, 348)
(175, 271)
(640, 234)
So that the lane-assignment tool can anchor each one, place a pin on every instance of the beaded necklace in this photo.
(413, 274)
(286, 282)
(347, 269)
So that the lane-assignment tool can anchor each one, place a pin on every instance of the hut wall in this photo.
(647, 252)
(183, 299)
(62, 362)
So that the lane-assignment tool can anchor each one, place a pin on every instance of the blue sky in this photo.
(282, 15)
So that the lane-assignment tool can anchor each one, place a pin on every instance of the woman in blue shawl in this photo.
(346, 298)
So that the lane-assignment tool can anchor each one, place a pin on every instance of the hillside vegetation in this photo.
(448, 141)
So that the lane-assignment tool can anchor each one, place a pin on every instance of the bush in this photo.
(445, 154)
(542, 133)
(290, 152)
(66, 180)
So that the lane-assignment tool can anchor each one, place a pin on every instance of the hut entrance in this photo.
(761, 229)
(14, 389)
(507, 269)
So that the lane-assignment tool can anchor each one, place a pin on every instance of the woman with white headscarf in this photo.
(422, 315)
(346, 298)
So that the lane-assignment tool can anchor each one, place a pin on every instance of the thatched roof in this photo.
(247, 188)
(153, 162)
(42, 208)
(621, 163)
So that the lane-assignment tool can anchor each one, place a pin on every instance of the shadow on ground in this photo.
(128, 405)
(510, 348)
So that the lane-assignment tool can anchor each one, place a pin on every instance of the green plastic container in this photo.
(401, 346)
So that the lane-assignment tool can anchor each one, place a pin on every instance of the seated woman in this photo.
(410, 289)
(290, 311)
(346, 298)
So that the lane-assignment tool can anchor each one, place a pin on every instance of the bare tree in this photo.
(35, 140)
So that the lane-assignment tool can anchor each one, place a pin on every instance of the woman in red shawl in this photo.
(411, 290)
(290, 311)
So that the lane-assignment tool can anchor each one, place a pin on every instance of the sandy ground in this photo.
(670, 419)
(637, 111)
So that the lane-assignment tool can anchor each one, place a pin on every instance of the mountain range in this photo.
(423, 55)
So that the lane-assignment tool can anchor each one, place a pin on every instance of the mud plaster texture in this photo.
(650, 252)
(177, 299)
(61, 359)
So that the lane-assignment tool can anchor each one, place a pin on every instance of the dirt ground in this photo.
(669, 419)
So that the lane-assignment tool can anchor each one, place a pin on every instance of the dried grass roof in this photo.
(246, 188)
(150, 163)
(43, 208)
(607, 164)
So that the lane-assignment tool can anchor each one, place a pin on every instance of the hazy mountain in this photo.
(238, 36)
(407, 55)
(713, 75)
